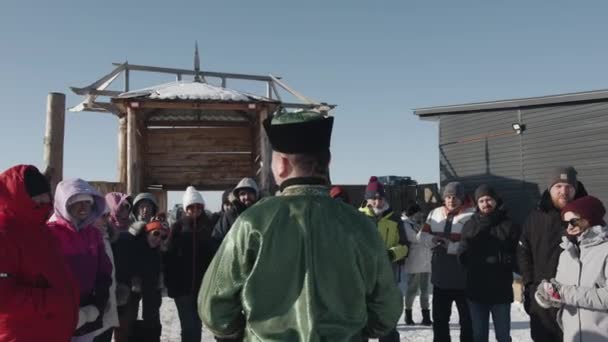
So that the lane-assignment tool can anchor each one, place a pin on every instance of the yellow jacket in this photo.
(391, 231)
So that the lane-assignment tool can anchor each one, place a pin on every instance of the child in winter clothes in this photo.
(190, 253)
(77, 207)
(580, 287)
(138, 259)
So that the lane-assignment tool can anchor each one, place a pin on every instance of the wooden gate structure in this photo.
(181, 133)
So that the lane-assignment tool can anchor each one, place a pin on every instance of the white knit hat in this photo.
(192, 196)
(80, 198)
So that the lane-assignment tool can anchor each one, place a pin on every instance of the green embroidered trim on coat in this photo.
(305, 190)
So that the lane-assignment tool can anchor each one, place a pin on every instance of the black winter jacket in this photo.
(488, 255)
(538, 251)
(226, 221)
(190, 253)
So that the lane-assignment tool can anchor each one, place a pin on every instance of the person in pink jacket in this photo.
(77, 206)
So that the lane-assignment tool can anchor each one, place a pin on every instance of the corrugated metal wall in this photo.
(575, 134)
(482, 148)
(474, 151)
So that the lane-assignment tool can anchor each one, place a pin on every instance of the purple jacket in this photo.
(83, 245)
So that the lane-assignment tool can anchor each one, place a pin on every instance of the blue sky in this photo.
(376, 60)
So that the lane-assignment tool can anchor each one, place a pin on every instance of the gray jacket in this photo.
(583, 273)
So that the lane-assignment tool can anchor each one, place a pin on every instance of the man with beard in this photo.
(442, 233)
(487, 251)
(246, 194)
(392, 232)
(538, 250)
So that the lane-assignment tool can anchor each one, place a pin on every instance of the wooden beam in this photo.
(197, 123)
(307, 105)
(143, 103)
(197, 161)
(192, 72)
(201, 133)
(265, 177)
(122, 150)
(200, 186)
(120, 67)
(54, 137)
(141, 137)
(291, 91)
(274, 89)
(100, 107)
(133, 164)
(96, 92)
(127, 80)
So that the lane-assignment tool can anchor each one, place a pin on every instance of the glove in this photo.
(136, 284)
(136, 227)
(547, 294)
(87, 314)
(391, 255)
(453, 247)
(122, 294)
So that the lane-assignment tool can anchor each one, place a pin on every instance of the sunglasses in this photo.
(157, 233)
(573, 222)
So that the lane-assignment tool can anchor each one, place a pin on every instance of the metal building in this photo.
(512, 144)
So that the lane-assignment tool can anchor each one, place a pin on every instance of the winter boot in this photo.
(426, 318)
(408, 317)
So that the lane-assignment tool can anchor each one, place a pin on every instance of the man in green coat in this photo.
(300, 266)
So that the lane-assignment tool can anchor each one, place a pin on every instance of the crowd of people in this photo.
(303, 265)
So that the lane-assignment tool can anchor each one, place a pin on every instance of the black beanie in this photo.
(412, 209)
(485, 190)
(35, 182)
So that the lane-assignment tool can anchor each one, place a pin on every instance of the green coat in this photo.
(300, 267)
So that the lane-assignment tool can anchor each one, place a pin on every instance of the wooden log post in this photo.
(122, 150)
(133, 179)
(53, 137)
(265, 177)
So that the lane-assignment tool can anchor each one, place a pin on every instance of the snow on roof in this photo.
(193, 91)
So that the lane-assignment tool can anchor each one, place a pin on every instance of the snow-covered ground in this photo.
(520, 325)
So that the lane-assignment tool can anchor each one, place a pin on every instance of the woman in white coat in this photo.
(417, 266)
(580, 288)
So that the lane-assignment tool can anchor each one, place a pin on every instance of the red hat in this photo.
(588, 208)
(157, 222)
(374, 188)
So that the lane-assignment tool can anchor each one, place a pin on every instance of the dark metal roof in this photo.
(595, 95)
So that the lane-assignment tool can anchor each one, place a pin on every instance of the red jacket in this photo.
(38, 295)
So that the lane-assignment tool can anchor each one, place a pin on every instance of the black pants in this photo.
(149, 329)
(392, 336)
(543, 324)
(442, 310)
(188, 318)
(105, 337)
